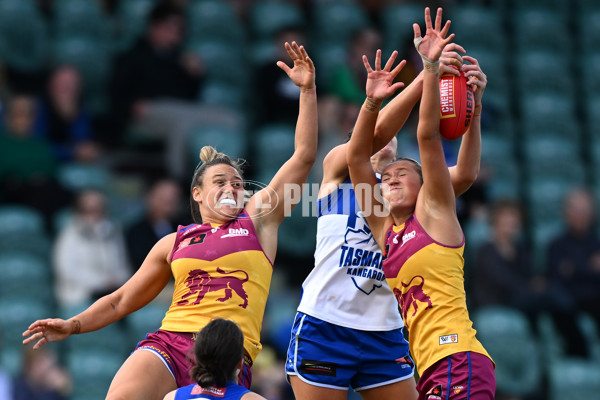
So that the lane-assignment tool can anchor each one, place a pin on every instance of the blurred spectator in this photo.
(349, 77)
(27, 164)
(502, 274)
(90, 258)
(155, 68)
(163, 208)
(42, 377)
(278, 95)
(155, 85)
(573, 268)
(62, 118)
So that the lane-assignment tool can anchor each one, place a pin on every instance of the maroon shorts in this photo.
(466, 375)
(176, 350)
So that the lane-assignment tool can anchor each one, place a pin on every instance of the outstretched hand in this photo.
(47, 330)
(380, 82)
(303, 71)
(432, 44)
(475, 77)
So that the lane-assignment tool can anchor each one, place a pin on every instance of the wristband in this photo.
(431, 66)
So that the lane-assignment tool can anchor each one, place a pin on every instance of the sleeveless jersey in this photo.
(427, 280)
(220, 271)
(195, 391)
(347, 285)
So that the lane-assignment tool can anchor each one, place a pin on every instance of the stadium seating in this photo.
(214, 20)
(80, 18)
(507, 336)
(25, 272)
(221, 60)
(19, 219)
(92, 372)
(76, 176)
(470, 18)
(337, 20)
(532, 71)
(131, 17)
(553, 157)
(267, 17)
(145, 320)
(549, 114)
(273, 146)
(232, 142)
(574, 379)
(17, 312)
(92, 58)
(23, 36)
(397, 20)
(539, 27)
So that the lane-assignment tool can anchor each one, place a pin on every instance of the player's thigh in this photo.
(403, 390)
(306, 391)
(142, 376)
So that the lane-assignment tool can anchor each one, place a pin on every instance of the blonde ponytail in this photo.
(209, 153)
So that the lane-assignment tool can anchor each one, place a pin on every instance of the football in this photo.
(456, 106)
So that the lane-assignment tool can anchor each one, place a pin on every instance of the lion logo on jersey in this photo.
(201, 282)
(412, 296)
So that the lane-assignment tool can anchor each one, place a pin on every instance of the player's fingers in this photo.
(303, 53)
(427, 19)
(471, 60)
(284, 67)
(366, 63)
(398, 68)
(438, 19)
(445, 69)
(296, 49)
(417, 30)
(390, 61)
(397, 86)
(378, 60)
(290, 51)
(444, 31)
(451, 47)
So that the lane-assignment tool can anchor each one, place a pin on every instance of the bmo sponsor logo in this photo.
(448, 339)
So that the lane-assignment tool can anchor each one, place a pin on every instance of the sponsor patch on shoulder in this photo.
(448, 339)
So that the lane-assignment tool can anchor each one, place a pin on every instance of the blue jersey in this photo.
(194, 391)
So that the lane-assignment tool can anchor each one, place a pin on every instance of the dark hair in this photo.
(209, 157)
(219, 348)
(163, 11)
(414, 162)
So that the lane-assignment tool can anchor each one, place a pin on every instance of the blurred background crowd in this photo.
(105, 104)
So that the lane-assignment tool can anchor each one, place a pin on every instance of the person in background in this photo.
(28, 165)
(335, 303)
(62, 118)
(89, 255)
(573, 269)
(503, 265)
(219, 352)
(42, 377)
(222, 263)
(163, 208)
(414, 219)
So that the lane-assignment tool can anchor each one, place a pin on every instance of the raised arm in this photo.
(144, 285)
(469, 155)
(287, 182)
(380, 85)
(436, 204)
(391, 119)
